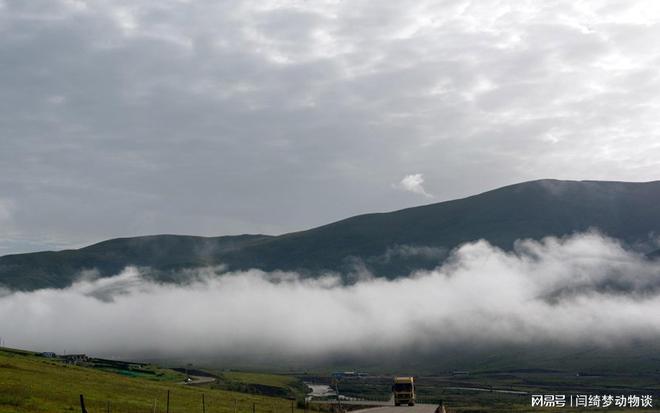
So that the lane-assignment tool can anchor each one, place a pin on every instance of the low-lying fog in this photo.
(585, 289)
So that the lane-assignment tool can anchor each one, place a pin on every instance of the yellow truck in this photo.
(404, 391)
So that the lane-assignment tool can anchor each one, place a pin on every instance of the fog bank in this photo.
(584, 289)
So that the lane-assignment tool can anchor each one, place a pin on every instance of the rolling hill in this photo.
(389, 244)
(29, 383)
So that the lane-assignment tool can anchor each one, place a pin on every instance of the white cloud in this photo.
(580, 290)
(7, 207)
(414, 183)
(137, 108)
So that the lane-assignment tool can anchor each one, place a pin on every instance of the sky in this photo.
(122, 118)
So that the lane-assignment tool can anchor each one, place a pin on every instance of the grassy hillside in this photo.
(161, 253)
(34, 384)
(627, 211)
(530, 210)
(262, 383)
(274, 380)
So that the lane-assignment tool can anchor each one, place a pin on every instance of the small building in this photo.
(48, 354)
(75, 358)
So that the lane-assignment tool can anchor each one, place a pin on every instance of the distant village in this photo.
(87, 361)
(66, 358)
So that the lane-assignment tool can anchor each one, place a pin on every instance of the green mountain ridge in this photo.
(384, 243)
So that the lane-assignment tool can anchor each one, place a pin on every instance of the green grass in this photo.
(275, 385)
(33, 384)
(273, 380)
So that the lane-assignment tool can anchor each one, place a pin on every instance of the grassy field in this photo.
(29, 383)
(33, 384)
(277, 385)
(274, 380)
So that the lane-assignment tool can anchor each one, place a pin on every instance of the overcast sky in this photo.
(121, 118)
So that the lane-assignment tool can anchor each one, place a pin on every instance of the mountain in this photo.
(389, 244)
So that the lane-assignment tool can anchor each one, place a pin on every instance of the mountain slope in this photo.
(162, 252)
(381, 241)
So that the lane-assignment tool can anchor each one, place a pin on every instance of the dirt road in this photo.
(196, 380)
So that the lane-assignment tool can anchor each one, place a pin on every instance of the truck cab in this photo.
(403, 390)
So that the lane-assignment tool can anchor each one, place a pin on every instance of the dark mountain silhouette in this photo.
(388, 244)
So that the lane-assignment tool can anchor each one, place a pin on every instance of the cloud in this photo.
(413, 251)
(414, 183)
(580, 290)
(7, 208)
(115, 115)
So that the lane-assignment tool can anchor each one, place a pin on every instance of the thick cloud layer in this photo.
(585, 289)
(208, 117)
